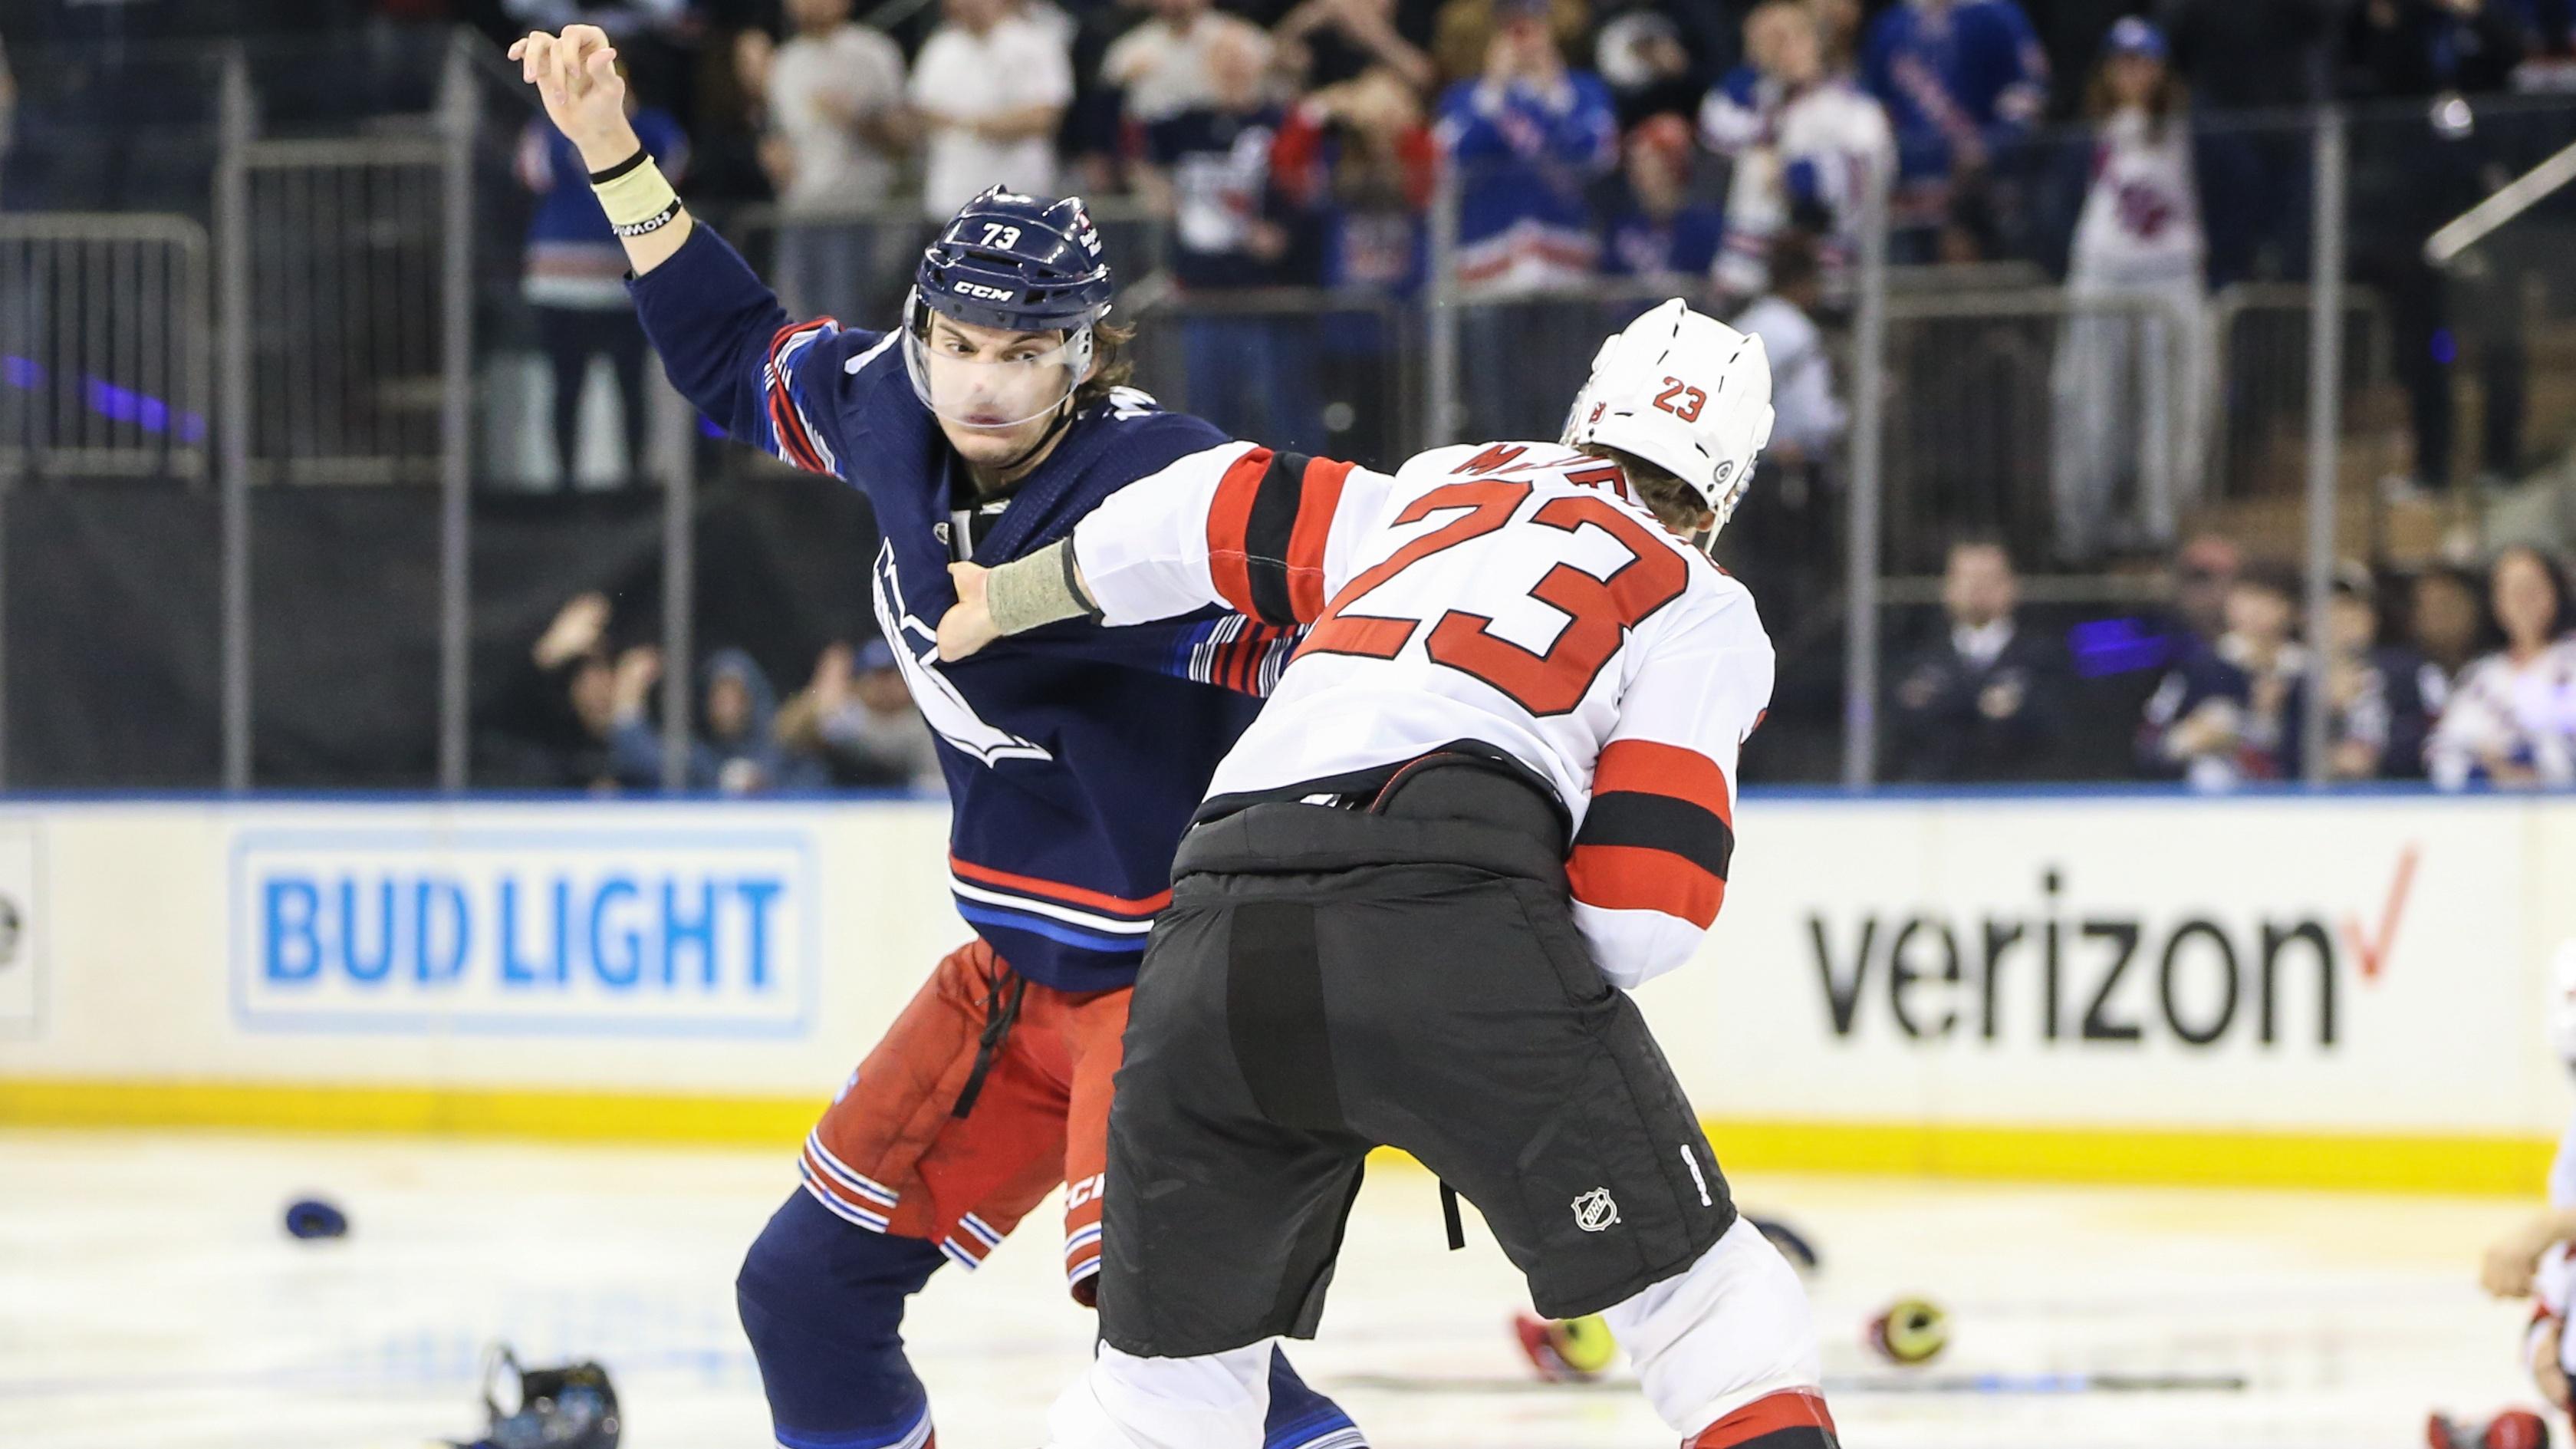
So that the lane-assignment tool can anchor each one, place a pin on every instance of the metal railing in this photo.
(348, 347)
(2257, 443)
(104, 346)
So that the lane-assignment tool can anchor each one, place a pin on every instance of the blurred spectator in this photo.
(2241, 57)
(2229, 712)
(1356, 162)
(1327, 42)
(2366, 676)
(2204, 572)
(2424, 173)
(2447, 623)
(1839, 22)
(857, 717)
(1962, 80)
(989, 86)
(1166, 65)
(2434, 47)
(1463, 32)
(1527, 137)
(1800, 137)
(2071, 33)
(1808, 412)
(2138, 245)
(8, 109)
(1360, 159)
(732, 146)
(1642, 57)
(2362, 723)
(1209, 168)
(837, 129)
(2511, 720)
(2255, 182)
(1657, 228)
(553, 725)
(1985, 700)
(735, 749)
(575, 280)
(1786, 540)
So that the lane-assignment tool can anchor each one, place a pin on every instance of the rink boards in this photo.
(2343, 991)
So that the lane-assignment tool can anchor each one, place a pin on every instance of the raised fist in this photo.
(575, 73)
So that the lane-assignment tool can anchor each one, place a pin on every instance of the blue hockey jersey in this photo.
(1074, 754)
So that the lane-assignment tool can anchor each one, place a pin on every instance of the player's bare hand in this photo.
(968, 627)
(575, 74)
(2513, 1258)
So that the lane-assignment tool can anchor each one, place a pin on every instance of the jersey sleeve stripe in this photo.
(1319, 498)
(1633, 878)
(1659, 822)
(788, 425)
(1229, 562)
(1267, 533)
(1647, 767)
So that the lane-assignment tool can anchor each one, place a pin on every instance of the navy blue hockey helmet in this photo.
(1016, 264)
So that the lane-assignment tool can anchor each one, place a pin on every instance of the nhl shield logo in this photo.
(1594, 1212)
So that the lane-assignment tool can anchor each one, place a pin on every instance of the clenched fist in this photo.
(967, 627)
(575, 73)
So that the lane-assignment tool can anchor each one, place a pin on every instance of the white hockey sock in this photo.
(1126, 1402)
(1732, 1328)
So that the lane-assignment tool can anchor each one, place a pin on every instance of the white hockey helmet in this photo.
(1684, 392)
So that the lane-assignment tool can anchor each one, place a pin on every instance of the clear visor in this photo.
(971, 383)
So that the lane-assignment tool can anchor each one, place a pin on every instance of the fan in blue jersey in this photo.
(981, 428)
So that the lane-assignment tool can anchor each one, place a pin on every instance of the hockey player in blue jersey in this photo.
(981, 429)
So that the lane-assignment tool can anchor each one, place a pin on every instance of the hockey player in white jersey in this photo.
(1494, 787)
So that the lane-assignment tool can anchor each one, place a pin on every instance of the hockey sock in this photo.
(822, 1301)
(1301, 1418)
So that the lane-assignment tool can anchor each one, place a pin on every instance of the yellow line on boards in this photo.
(2515, 1166)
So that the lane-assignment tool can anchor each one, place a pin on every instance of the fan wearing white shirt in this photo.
(1163, 66)
(990, 87)
(2511, 719)
(836, 106)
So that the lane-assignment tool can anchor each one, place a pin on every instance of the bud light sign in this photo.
(539, 931)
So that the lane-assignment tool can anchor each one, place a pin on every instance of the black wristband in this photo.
(602, 178)
(650, 224)
(1073, 585)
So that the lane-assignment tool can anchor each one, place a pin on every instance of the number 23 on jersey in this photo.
(1598, 610)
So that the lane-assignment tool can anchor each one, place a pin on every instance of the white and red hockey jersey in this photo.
(1512, 594)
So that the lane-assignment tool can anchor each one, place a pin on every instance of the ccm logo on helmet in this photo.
(978, 289)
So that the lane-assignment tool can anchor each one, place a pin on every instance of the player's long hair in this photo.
(1667, 497)
(1112, 365)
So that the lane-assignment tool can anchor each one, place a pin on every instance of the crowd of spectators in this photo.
(1293, 142)
(577, 712)
(1706, 146)
(2461, 677)
(1677, 143)
(1715, 146)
